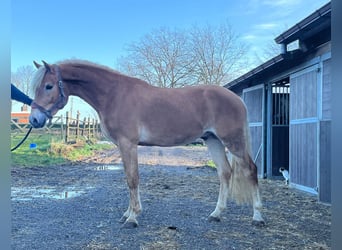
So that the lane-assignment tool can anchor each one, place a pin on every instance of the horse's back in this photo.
(198, 106)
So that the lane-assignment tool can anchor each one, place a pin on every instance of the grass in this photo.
(50, 150)
(211, 164)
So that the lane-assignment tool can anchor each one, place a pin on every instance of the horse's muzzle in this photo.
(37, 118)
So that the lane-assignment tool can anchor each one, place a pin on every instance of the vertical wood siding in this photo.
(304, 96)
(303, 154)
(303, 128)
(325, 162)
(256, 142)
(253, 99)
(326, 90)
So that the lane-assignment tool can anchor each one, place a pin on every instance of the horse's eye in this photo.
(48, 87)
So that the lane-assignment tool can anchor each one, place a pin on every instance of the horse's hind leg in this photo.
(244, 185)
(217, 152)
(130, 160)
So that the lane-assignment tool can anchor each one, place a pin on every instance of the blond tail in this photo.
(242, 186)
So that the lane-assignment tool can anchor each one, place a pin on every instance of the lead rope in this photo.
(22, 141)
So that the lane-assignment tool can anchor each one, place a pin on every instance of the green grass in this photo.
(211, 164)
(50, 150)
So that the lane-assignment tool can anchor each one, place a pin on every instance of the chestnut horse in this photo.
(133, 112)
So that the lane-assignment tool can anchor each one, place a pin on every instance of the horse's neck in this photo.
(89, 85)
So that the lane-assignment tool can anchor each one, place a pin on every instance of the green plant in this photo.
(51, 150)
(210, 163)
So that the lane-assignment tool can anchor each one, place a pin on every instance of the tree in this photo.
(22, 78)
(218, 54)
(161, 58)
(175, 58)
(271, 50)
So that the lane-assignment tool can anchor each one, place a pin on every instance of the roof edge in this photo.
(325, 9)
(256, 70)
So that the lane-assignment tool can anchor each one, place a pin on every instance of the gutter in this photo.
(286, 36)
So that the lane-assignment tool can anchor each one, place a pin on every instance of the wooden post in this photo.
(77, 124)
(89, 131)
(84, 127)
(67, 127)
(62, 128)
(93, 123)
(97, 129)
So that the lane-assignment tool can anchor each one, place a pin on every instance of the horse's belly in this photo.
(165, 137)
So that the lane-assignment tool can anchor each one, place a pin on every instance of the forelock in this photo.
(37, 79)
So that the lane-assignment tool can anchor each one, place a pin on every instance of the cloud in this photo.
(281, 3)
(249, 37)
(265, 26)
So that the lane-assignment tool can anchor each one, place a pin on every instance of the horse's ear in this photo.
(47, 66)
(37, 64)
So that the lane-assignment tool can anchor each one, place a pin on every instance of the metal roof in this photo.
(314, 23)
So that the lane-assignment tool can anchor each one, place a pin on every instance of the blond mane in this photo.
(37, 79)
(89, 63)
(39, 74)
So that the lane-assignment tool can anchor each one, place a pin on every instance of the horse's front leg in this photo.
(129, 157)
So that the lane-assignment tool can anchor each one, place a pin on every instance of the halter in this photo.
(59, 104)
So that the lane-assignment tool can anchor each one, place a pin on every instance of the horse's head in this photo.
(50, 94)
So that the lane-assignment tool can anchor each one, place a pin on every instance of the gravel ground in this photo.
(79, 206)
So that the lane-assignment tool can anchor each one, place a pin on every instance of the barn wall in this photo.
(304, 95)
(254, 101)
(303, 155)
(310, 124)
(304, 112)
(325, 135)
(310, 129)
(325, 162)
(326, 90)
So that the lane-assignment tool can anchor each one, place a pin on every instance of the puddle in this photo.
(109, 167)
(29, 193)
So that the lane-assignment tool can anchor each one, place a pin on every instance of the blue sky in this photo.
(99, 30)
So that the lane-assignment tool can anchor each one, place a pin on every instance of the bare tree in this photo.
(271, 50)
(22, 78)
(174, 58)
(218, 54)
(161, 58)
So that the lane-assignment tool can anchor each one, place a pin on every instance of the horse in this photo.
(132, 112)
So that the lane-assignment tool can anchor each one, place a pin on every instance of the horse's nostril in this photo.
(37, 120)
(34, 122)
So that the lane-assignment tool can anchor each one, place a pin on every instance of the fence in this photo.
(70, 129)
(75, 128)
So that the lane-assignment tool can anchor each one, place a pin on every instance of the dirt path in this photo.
(78, 207)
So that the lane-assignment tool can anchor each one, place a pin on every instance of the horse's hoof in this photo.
(258, 223)
(123, 219)
(214, 219)
(130, 225)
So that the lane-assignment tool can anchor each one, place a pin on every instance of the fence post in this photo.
(67, 127)
(77, 124)
(93, 127)
(84, 126)
(89, 129)
(62, 128)
(97, 129)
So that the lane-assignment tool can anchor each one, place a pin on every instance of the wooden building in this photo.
(20, 117)
(289, 105)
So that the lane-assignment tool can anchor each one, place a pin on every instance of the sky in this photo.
(100, 30)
